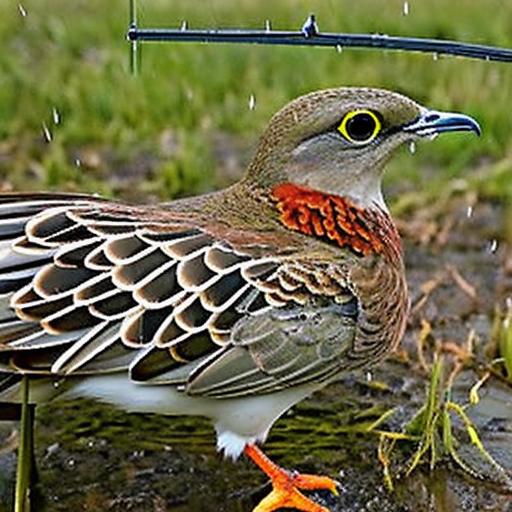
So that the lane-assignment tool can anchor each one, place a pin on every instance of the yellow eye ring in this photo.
(360, 126)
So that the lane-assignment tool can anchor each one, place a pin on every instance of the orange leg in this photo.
(286, 485)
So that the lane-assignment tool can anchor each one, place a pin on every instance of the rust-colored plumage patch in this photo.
(337, 219)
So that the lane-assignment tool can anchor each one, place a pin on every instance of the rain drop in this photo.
(184, 25)
(369, 376)
(339, 48)
(71, 462)
(22, 10)
(252, 102)
(53, 448)
(78, 163)
(268, 26)
(56, 116)
(47, 133)
(412, 147)
(405, 9)
(469, 212)
(492, 246)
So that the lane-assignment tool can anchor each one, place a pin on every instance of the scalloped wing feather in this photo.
(93, 286)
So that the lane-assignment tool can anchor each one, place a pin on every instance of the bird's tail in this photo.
(7, 381)
(9, 392)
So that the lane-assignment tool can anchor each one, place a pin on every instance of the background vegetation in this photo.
(184, 126)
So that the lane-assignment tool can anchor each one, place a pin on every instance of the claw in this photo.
(286, 486)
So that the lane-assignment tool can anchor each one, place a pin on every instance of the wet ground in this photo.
(94, 458)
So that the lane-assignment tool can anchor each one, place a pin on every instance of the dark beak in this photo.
(432, 122)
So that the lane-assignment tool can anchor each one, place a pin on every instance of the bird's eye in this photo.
(360, 126)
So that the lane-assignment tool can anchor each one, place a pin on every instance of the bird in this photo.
(234, 305)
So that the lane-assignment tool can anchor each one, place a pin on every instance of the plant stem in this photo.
(23, 470)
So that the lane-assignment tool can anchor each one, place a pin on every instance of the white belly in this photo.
(238, 421)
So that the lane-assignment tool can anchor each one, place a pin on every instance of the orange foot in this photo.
(286, 485)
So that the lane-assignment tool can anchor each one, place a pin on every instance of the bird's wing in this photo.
(280, 348)
(91, 286)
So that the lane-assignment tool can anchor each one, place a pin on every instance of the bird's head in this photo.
(337, 141)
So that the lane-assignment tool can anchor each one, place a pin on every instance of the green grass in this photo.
(73, 56)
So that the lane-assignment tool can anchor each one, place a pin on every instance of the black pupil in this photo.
(361, 127)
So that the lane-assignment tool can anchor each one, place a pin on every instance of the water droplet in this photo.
(412, 147)
(339, 48)
(56, 384)
(252, 102)
(53, 448)
(56, 116)
(492, 246)
(78, 163)
(268, 26)
(184, 25)
(369, 376)
(22, 10)
(71, 462)
(435, 56)
(47, 133)
(405, 9)
(469, 211)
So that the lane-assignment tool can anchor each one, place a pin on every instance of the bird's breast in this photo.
(376, 277)
(337, 219)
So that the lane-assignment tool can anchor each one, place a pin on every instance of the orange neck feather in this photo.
(337, 219)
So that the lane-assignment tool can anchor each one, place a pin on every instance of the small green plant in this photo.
(432, 431)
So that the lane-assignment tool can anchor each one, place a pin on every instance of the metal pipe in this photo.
(334, 40)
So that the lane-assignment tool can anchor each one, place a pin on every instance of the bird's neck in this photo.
(337, 219)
